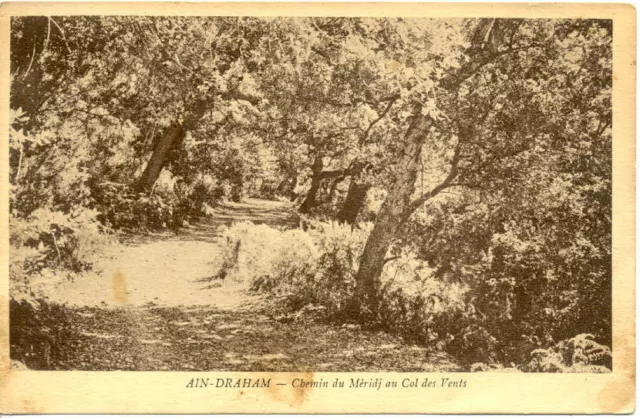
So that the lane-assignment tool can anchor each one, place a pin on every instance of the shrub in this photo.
(318, 267)
(51, 240)
(579, 354)
(37, 331)
(267, 259)
(537, 274)
(172, 203)
(68, 240)
(305, 267)
(422, 307)
(466, 312)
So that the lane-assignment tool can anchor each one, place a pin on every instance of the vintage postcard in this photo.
(317, 208)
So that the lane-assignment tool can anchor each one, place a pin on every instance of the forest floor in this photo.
(149, 305)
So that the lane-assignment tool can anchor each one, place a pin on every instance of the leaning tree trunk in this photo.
(354, 202)
(398, 207)
(316, 180)
(169, 140)
(174, 135)
(393, 213)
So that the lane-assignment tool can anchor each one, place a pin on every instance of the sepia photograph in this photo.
(311, 194)
(284, 194)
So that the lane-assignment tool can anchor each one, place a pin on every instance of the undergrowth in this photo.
(38, 330)
(314, 270)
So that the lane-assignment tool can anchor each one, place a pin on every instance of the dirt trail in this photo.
(170, 269)
(150, 307)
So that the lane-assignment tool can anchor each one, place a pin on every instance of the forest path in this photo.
(171, 268)
(151, 307)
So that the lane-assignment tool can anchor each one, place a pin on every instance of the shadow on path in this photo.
(147, 310)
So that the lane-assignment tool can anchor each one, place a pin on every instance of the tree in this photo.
(327, 102)
(413, 108)
(460, 137)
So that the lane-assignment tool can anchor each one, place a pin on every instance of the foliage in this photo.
(32, 343)
(47, 241)
(317, 268)
(173, 203)
(486, 144)
(574, 355)
(313, 267)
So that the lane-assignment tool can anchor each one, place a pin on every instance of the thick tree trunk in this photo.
(372, 260)
(395, 210)
(174, 134)
(356, 196)
(398, 207)
(169, 140)
(316, 179)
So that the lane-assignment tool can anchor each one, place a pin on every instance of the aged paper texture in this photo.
(317, 208)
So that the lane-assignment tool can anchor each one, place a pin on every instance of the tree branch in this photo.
(386, 260)
(321, 53)
(62, 33)
(447, 182)
(236, 95)
(33, 55)
(378, 119)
